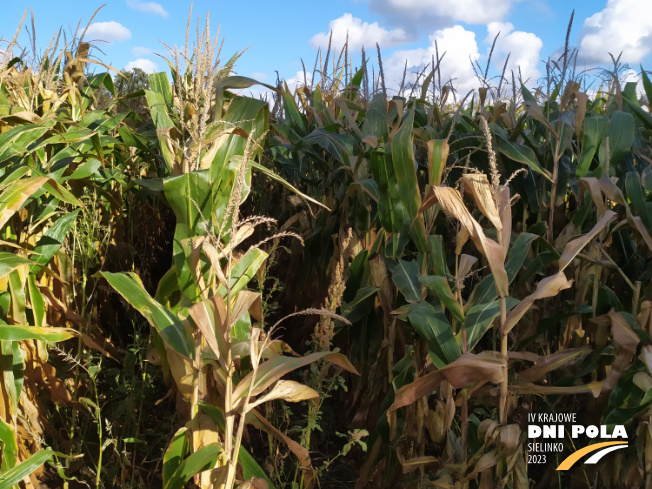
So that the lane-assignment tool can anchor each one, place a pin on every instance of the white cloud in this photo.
(459, 46)
(141, 51)
(360, 34)
(413, 13)
(107, 31)
(634, 76)
(298, 80)
(155, 8)
(524, 49)
(147, 65)
(623, 25)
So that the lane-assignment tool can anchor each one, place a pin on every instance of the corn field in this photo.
(337, 287)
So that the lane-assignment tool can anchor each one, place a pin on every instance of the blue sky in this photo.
(279, 34)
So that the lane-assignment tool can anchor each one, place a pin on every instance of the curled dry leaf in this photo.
(288, 390)
(643, 381)
(246, 301)
(414, 463)
(593, 388)
(573, 247)
(559, 359)
(467, 369)
(209, 316)
(599, 189)
(272, 370)
(509, 437)
(503, 201)
(622, 332)
(453, 206)
(548, 287)
(646, 357)
(482, 192)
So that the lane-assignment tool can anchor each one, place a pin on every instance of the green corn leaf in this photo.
(10, 262)
(433, 326)
(439, 286)
(404, 167)
(22, 470)
(36, 301)
(647, 85)
(485, 291)
(636, 196)
(21, 332)
(53, 239)
(620, 135)
(244, 270)
(595, 127)
(14, 196)
(175, 454)
(522, 154)
(438, 150)
(405, 275)
(166, 323)
(250, 467)
(271, 174)
(479, 319)
(294, 117)
(203, 459)
(9, 446)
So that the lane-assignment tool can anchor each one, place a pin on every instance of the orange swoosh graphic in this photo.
(574, 457)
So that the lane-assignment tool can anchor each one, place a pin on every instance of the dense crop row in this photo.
(414, 276)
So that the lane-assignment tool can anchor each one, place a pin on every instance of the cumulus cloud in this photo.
(623, 25)
(459, 46)
(107, 31)
(141, 51)
(524, 49)
(298, 80)
(147, 65)
(360, 34)
(635, 77)
(153, 7)
(425, 13)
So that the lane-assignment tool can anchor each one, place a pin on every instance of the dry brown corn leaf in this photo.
(414, 463)
(503, 201)
(509, 437)
(559, 359)
(573, 247)
(622, 333)
(288, 390)
(593, 388)
(548, 287)
(467, 369)
(451, 203)
(482, 192)
(209, 316)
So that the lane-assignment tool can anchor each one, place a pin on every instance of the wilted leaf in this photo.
(559, 359)
(288, 390)
(452, 204)
(622, 332)
(465, 370)
(573, 247)
(482, 192)
(272, 370)
(548, 287)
